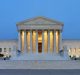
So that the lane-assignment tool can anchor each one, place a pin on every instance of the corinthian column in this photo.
(30, 41)
(60, 40)
(54, 41)
(43, 41)
(49, 41)
(19, 40)
(36, 41)
(25, 42)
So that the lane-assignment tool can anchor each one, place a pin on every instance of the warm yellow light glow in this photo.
(45, 42)
(74, 52)
(45, 33)
(69, 51)
(39, 37)
(79, 49)
(34, 32)
(51, 41)
(34, 42)
(22, 36)
(28, 41)
(57, 41)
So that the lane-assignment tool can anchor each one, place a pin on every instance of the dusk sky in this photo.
(13, 11)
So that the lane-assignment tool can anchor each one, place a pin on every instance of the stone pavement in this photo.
(28, 64)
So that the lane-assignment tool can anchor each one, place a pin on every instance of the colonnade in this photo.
(51, 41)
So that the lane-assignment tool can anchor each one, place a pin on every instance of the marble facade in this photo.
(40, 35)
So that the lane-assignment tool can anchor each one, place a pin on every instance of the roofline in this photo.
(8, 40)
(71, 39)
(27, 20)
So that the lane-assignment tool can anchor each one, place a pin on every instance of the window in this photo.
(0, 49)
(4, 49)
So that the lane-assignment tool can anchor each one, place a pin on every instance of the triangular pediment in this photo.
(39, 20)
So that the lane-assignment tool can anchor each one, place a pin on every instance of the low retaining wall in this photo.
(23, 64)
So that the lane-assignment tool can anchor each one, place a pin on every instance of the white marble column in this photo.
(25, 42)
(60, 40)
(48, 41)
(36, 41)
(54, 42)
(19, 41)
(30, 41)
(42, 41)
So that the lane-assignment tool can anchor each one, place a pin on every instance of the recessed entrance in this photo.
(39, 41)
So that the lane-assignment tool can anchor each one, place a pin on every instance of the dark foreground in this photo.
(39, 72)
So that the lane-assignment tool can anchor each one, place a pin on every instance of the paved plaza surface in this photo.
(40, 72)
(39, 64)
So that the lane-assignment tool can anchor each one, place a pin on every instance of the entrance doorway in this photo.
(39, 41)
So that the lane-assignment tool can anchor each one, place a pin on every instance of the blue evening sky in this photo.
(13, 11)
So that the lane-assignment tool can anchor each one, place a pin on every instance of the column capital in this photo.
(24, 30)
(49, 30)
(36, 30)
(43, 30)
(30, 30)
(54, 30)
(19, 30)
(60, 31)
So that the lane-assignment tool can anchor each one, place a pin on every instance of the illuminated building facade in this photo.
(40, 38)
(40, 35)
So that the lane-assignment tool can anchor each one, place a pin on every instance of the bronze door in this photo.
(40, 47)
(39, 41)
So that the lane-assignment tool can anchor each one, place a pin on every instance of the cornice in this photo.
(39, 17)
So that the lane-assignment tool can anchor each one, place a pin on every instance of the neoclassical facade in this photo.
(40, 38)
(40, 35)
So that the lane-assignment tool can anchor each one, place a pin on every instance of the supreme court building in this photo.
(40, 38)
(40, 35)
